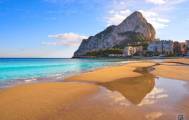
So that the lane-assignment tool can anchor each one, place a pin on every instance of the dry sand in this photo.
(41, 101)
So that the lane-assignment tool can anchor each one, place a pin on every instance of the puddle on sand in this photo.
(141, 98)
(154, 97)
(134, 89)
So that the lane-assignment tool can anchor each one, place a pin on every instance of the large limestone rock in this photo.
(132, 27)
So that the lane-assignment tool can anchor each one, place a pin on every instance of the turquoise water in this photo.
(13, 70)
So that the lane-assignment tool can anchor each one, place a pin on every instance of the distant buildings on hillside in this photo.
(187, 44)
(148, 49)
(159, 48)
(169, 48)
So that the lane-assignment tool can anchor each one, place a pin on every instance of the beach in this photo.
(173, 71)
(136, 90)
(41, 101)
(110, 73)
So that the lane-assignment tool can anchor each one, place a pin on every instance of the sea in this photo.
(24, 70)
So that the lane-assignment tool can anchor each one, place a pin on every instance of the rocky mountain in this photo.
(134, 28)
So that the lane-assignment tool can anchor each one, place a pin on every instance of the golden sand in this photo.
(40, 101)
(111, 73)
(179, 60)
(172, 70)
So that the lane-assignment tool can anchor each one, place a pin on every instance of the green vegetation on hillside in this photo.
(105, 53)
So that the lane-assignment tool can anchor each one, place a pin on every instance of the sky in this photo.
(55, 28)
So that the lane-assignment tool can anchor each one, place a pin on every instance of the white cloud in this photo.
(157, 15)
(153, 96)
(165, 2)
(117, 11)
(155, 19)
(68, 36)
(174, 2)
(157, 2)
(65, 39)
(116, 17)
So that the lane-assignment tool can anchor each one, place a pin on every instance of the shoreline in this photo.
(60, 78)
(72, 77)
(113, 72)
(180, 66)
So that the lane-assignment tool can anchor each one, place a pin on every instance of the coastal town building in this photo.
(161, 47)
(176, 48)
(187, 45)
(167, 47)
(154, 48)
(132, 50)
(183, 48)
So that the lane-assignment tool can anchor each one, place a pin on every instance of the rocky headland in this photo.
(134, 28)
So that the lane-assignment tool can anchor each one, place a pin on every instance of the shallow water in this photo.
(18, 70)
(24, 70)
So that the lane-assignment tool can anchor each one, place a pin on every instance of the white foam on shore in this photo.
(30, 80)
(60, 77)
(123, 62)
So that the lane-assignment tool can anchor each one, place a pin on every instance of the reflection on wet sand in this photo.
(153, 115)
(134, 89)
(155, 95)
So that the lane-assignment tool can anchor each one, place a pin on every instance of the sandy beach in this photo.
(41, 101)
(175, 69)
(111, 73)
(95, 95)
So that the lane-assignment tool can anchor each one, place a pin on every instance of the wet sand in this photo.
(175, 69)
(111, 73)
(140, 99)
(179, 60)
(113, 93)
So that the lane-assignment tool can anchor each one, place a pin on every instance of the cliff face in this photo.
(133, 26)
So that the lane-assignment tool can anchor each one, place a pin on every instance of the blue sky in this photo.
(54, 28)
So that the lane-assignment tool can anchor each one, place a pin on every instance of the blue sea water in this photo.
(13, 70)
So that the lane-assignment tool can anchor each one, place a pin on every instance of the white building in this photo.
(187, 43)
(161, 47)
(155, 46)
(132, 50)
